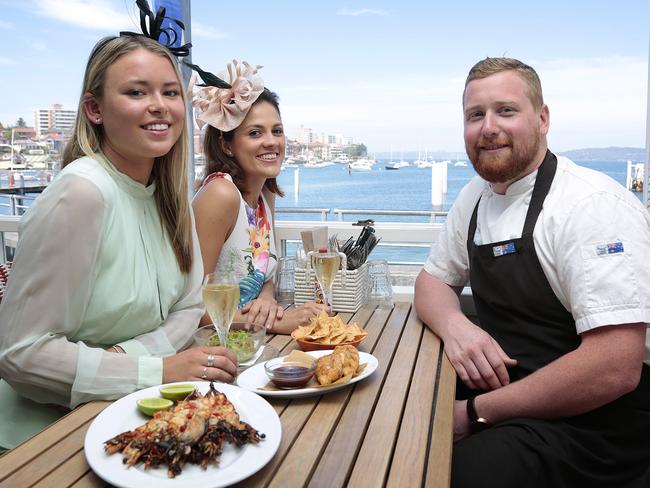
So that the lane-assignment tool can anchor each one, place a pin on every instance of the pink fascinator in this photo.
(221, 107)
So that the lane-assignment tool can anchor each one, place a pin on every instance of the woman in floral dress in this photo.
(244, 149)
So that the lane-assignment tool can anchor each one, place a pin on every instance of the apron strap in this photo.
(543, 181)
(472, 228)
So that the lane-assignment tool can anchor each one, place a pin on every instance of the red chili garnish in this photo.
(189, 415)
(182, 429)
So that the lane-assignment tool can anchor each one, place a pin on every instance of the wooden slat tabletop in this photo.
(392, 429)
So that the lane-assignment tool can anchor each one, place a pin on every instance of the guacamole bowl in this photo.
(244, 339)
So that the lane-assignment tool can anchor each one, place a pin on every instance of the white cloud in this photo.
(361, 11)
(410, 112)
(100, 15)
(594, 102)
(207, 32)
(6, 25)
(7, 61)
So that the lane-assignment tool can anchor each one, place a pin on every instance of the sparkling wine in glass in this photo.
(221, 297)
(326, 264)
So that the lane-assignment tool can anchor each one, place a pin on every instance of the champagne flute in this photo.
(221, 297)
(326, 264)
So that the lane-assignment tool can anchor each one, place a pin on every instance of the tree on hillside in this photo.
(21, 122)
(356, 150)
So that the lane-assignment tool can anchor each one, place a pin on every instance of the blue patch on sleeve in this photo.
(610, 248)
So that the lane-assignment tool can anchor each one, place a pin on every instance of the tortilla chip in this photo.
(327, 330)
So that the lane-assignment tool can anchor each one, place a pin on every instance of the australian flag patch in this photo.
(504, 249)
(610, 248)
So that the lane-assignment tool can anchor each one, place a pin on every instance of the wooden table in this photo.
(392, 429)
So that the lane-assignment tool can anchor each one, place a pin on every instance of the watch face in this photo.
(479, 425)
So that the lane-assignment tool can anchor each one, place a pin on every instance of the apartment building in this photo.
(55, 118)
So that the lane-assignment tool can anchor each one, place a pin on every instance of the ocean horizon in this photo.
(408, 188)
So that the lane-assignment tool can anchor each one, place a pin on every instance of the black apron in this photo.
(608, 447)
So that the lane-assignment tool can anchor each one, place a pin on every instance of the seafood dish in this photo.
(343, 362)
(194, 431)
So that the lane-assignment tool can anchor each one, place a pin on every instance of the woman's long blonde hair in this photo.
(169, 171)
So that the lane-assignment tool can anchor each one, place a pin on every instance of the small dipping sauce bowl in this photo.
(288, 374)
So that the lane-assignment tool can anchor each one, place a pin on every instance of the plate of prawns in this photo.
(217, 436)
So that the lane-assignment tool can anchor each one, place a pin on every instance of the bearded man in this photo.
(553, 390)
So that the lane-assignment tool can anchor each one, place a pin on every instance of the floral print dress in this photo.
(249, 252)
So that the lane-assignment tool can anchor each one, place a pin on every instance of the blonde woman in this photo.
(107, 276)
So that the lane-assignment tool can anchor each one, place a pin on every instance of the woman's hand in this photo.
(298, 316)
(263, 310)
(201, 363)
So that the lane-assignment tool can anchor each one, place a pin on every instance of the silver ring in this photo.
(210, 360)
(205, 373)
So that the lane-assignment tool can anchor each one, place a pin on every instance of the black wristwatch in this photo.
(476, 423)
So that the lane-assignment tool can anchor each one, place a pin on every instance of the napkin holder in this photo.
(348, 298)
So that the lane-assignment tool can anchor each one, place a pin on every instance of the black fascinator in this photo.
(208, 78)
(155, 30)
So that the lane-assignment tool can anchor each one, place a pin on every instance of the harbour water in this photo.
(408, 188)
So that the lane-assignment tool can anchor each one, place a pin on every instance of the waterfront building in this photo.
(305, 135)
(21, 133)
(55, 118)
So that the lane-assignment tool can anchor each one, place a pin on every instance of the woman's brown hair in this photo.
(218, 161)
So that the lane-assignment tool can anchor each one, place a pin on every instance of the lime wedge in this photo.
(176, 392)
(149, 406)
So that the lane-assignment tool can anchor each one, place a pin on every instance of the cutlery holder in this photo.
(344, 299)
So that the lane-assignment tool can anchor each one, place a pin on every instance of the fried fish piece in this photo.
(350, 356)
(329, 368)
(344, 361)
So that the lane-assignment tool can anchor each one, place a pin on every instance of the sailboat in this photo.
(391, 164)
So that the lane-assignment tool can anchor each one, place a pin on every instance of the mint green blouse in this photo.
(94, 267)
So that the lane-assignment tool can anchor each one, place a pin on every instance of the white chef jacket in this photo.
(592, 239)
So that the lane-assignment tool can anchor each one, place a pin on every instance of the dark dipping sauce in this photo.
(291, 376)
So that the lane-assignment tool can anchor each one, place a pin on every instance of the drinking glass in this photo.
(301, 256)
(285, 280)
(221, 297)
(381, 291)
(326, 264)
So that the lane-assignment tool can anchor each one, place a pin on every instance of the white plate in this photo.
(255, 377)
(235, 464)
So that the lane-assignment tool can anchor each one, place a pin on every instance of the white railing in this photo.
(8, 235)
(432, 215)
(396, 233)
(392, 234)
(16, 203)
(304, 210)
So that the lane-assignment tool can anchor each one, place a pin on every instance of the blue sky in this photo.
(389, 74)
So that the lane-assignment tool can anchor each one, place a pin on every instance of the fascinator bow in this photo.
(223, 104)
(156, 31)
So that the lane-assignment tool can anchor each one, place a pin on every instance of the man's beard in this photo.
(506, 165)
